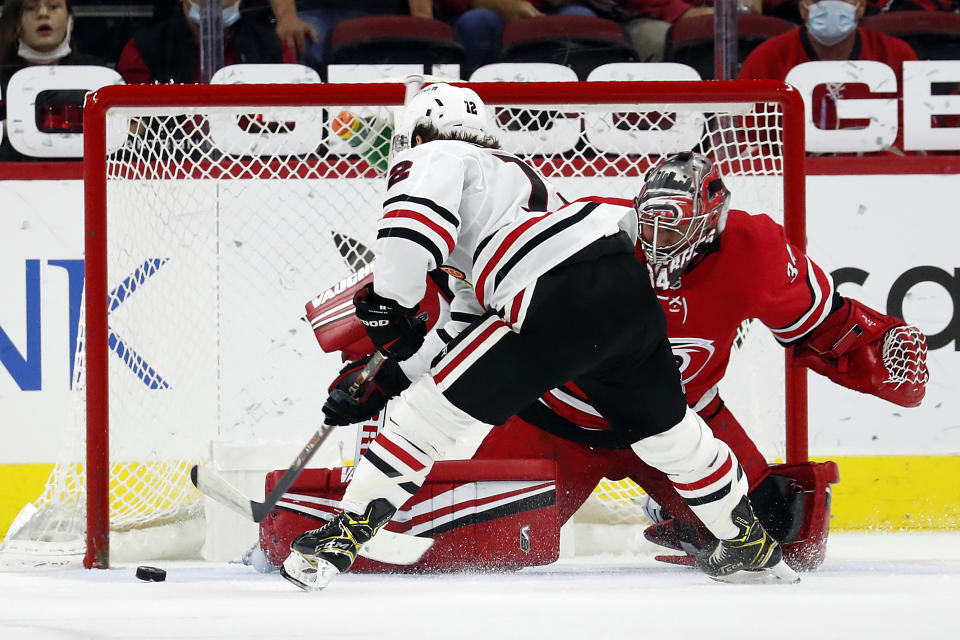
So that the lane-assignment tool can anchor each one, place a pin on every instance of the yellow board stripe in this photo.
(897, 493)
(889, 493)
(20, 484)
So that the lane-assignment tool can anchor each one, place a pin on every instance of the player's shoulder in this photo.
(751, 230)
(751, 242)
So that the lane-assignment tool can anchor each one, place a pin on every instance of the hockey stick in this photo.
(386, 546)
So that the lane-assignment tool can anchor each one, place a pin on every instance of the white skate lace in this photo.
(719, 554)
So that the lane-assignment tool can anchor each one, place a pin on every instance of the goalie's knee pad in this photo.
(702, 468)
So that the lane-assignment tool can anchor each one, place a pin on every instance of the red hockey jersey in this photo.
(774, 58)
(755, 273)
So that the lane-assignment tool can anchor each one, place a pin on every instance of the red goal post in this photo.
(555, 97)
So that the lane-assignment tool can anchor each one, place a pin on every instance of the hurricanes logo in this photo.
(692, 355)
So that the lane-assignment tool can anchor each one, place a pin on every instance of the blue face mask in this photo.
(830, 21)
(230, 14)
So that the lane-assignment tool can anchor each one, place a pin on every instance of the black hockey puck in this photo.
(151, 574)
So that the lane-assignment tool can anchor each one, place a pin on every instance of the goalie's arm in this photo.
(865, 350)
(840, 338)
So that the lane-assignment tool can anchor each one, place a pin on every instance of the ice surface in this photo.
(872, 586)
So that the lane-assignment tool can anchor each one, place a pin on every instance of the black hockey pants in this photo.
(593, 320)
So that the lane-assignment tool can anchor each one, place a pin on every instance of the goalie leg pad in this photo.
(806, 549)
(579, 467)
(481, 514)
(702, 468)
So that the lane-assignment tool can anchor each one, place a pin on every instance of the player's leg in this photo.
(421, 427)
(675, 525)
(725, 426)
(419, 430)
(639, 393)
(491, 371)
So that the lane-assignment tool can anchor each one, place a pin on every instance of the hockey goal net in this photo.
(213, 213)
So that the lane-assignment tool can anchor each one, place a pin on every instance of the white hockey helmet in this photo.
(682, 209)
(450, 109)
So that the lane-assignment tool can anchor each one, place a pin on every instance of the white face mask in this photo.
(230, 14)
(830, 21)
(34, 56)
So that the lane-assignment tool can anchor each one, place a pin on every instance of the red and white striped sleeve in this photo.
(420, 223)
(802, 298)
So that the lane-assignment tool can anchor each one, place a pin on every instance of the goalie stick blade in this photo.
(395, 548)
(212, 485)
(780, 573)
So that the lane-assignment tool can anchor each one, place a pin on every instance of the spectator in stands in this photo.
(478, 24)
(647, 22)
(829, 32)
(160, 53)
(33, 32)
(304, 25)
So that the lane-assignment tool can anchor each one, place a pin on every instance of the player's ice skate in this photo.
(309, 572)
(751, 557)
(318, 555)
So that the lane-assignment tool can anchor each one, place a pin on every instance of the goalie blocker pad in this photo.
(332, 315)
(482, 514)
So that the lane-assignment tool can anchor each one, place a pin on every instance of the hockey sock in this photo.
(392, 468)
(702, 469)
(422, 426)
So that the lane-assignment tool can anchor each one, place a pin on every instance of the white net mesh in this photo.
(223, 221)
(904, 354)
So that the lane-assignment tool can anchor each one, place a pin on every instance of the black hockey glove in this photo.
(342, 409)
(395, 330)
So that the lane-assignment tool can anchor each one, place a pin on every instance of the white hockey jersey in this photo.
(483, 213)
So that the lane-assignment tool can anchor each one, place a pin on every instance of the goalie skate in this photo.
(751, 557)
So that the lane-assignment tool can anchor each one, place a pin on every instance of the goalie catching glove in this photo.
(342, 409)
(395, 330)
(867, 351)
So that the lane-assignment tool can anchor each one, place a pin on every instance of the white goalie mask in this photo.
(682, 210)
(450, 109)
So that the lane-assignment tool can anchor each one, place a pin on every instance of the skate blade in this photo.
(307, 575)
(780, 573)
